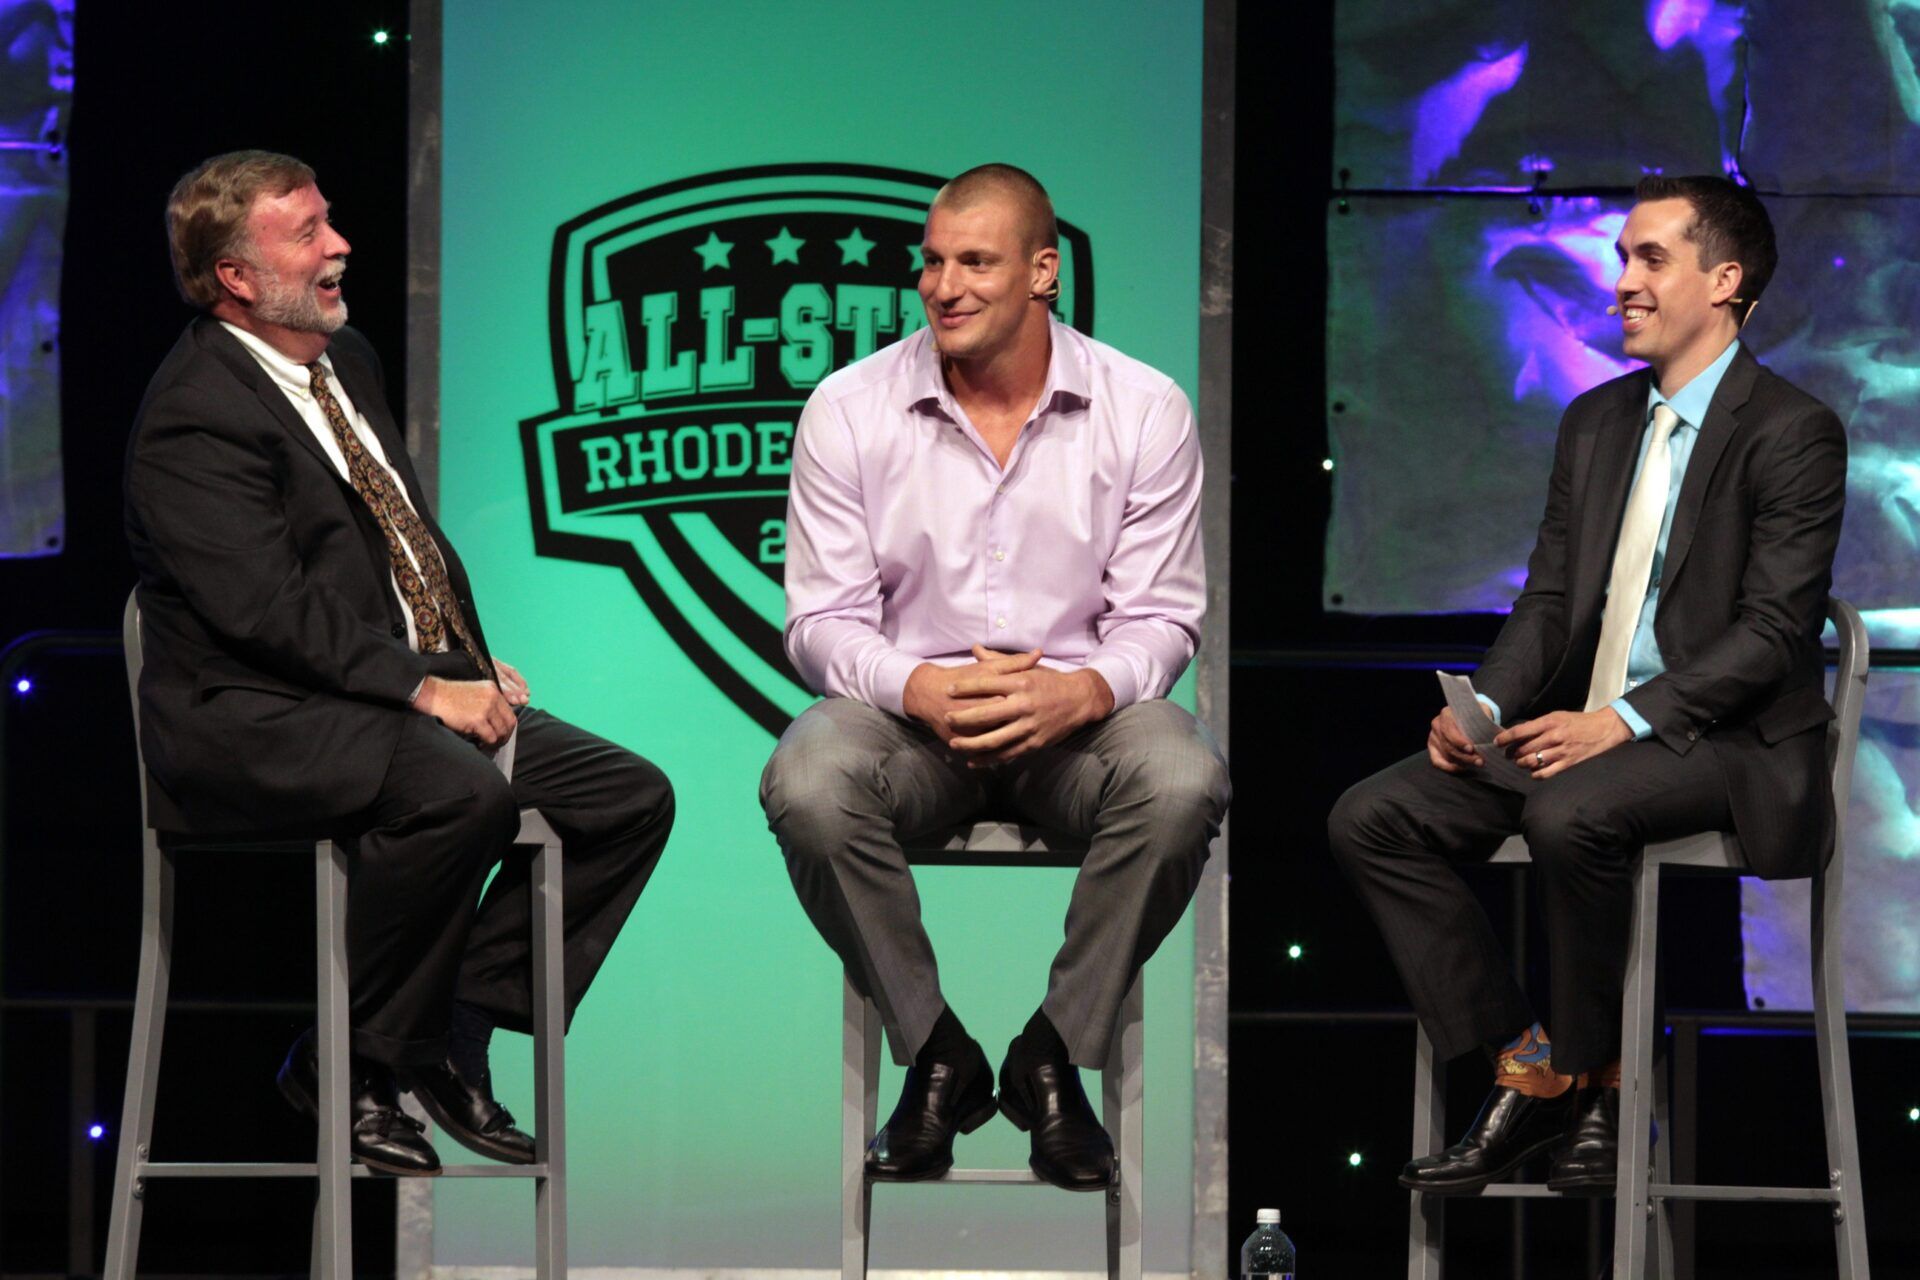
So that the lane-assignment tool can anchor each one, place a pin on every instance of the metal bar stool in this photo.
(1122, 1110)
(1645, 1189)
(332, 1222)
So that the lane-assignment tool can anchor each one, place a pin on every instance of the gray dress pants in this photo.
(1146, 787)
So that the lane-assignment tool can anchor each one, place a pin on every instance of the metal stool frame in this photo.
(1645, 1189)
(332, 1165)
(1122, 1103)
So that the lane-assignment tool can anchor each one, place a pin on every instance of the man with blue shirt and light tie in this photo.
(1661, 675)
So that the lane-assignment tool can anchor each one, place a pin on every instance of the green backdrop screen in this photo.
(662, 224)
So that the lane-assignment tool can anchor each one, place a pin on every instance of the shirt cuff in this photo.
(1635, 721)
(1119, 677)
(890, 682)
(1493, 708)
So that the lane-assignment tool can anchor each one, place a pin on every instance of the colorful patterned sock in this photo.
(1526, 1064)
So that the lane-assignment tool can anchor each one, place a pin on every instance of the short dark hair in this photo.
(986, 181)
(1729, 225)
(207, 214)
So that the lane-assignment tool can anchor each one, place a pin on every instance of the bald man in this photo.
(994, 575)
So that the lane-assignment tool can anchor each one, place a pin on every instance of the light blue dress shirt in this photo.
(1690, 404)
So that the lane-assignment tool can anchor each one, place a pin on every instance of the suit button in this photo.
(1693, 735)
(398, 630)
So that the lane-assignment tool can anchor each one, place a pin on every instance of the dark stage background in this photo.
(1321, 1044)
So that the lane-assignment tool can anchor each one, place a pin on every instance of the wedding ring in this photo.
(1539, 759)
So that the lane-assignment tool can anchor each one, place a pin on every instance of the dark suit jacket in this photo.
(276, 651)
(1742, 597)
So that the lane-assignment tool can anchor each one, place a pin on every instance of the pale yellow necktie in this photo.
(1633, 563)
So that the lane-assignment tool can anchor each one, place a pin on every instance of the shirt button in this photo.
(1000, 555)
(999, 488)
(1001, 623)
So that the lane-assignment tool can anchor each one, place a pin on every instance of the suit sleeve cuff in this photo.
(1635, 721)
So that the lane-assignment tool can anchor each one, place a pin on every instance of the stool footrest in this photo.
(1805, 1195)
(1511, 1191)
(974, 1177)
(273, 1169)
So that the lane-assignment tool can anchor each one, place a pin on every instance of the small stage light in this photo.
(1295, 951)
(1353, 1160)
(1914, 1115)
(96, 1131)
(1839, 263)
(1326, 464)
(381, 37)
(23, 686)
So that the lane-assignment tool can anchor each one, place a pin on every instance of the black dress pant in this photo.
(443, 819)
(1400, 835)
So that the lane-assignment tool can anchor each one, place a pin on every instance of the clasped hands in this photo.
(1001, 706)
(480, 711)
(1547, 745)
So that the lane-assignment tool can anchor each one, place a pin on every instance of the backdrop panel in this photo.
(1851, 63)
(1882, 875)
(1458, 329)
(1462, 93)
(662, 225)
(36, 87)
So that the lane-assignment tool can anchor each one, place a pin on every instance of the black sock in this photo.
(947, 1042)
(1039, 1041)
(468, 1039)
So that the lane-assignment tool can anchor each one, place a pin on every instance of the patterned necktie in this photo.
(429, 598)
(1633, 563)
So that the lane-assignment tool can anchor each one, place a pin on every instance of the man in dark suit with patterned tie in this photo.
(315, 663)
(1660, 675)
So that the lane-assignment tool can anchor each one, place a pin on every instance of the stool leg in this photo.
(1660, 1255)
(1426, 1227)
(143, 1059)
(1123, 1112)
(1836, 1081)
(1636, 1079)
(333, 1213)
(859, 1110)
(549, 1063)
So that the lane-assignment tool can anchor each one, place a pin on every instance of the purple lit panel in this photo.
(36, 86)
(1835, 93)
(1457, 332)
(1454, 95)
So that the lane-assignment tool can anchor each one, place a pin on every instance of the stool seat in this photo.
(991, 843)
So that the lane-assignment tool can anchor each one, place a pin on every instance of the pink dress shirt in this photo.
(907, 543)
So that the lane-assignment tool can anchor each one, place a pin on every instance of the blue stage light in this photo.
(96, 1131)
(23, 686)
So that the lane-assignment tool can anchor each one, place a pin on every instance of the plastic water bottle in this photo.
(1267, 1254)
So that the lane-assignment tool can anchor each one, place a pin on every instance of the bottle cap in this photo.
(1268, 1217)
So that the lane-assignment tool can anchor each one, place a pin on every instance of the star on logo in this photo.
(855, 248)
(919, 262)
(714, 252)
(786, 247)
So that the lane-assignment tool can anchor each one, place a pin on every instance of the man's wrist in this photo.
(1100, 700)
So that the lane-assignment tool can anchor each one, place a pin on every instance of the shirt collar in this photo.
(1691, 402)
(287, 373)
(1066, 376)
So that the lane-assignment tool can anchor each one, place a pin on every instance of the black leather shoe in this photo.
(466, 1110)
(1070, 1149)
(382, 1136)
(1586, 1164)
(1511, 1129)
(917, 1141)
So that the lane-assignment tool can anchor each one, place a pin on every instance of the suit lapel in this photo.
(227, 349)
(1616, 445)
(1715, 434)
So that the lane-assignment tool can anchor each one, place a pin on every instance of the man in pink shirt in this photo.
(994, 575)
